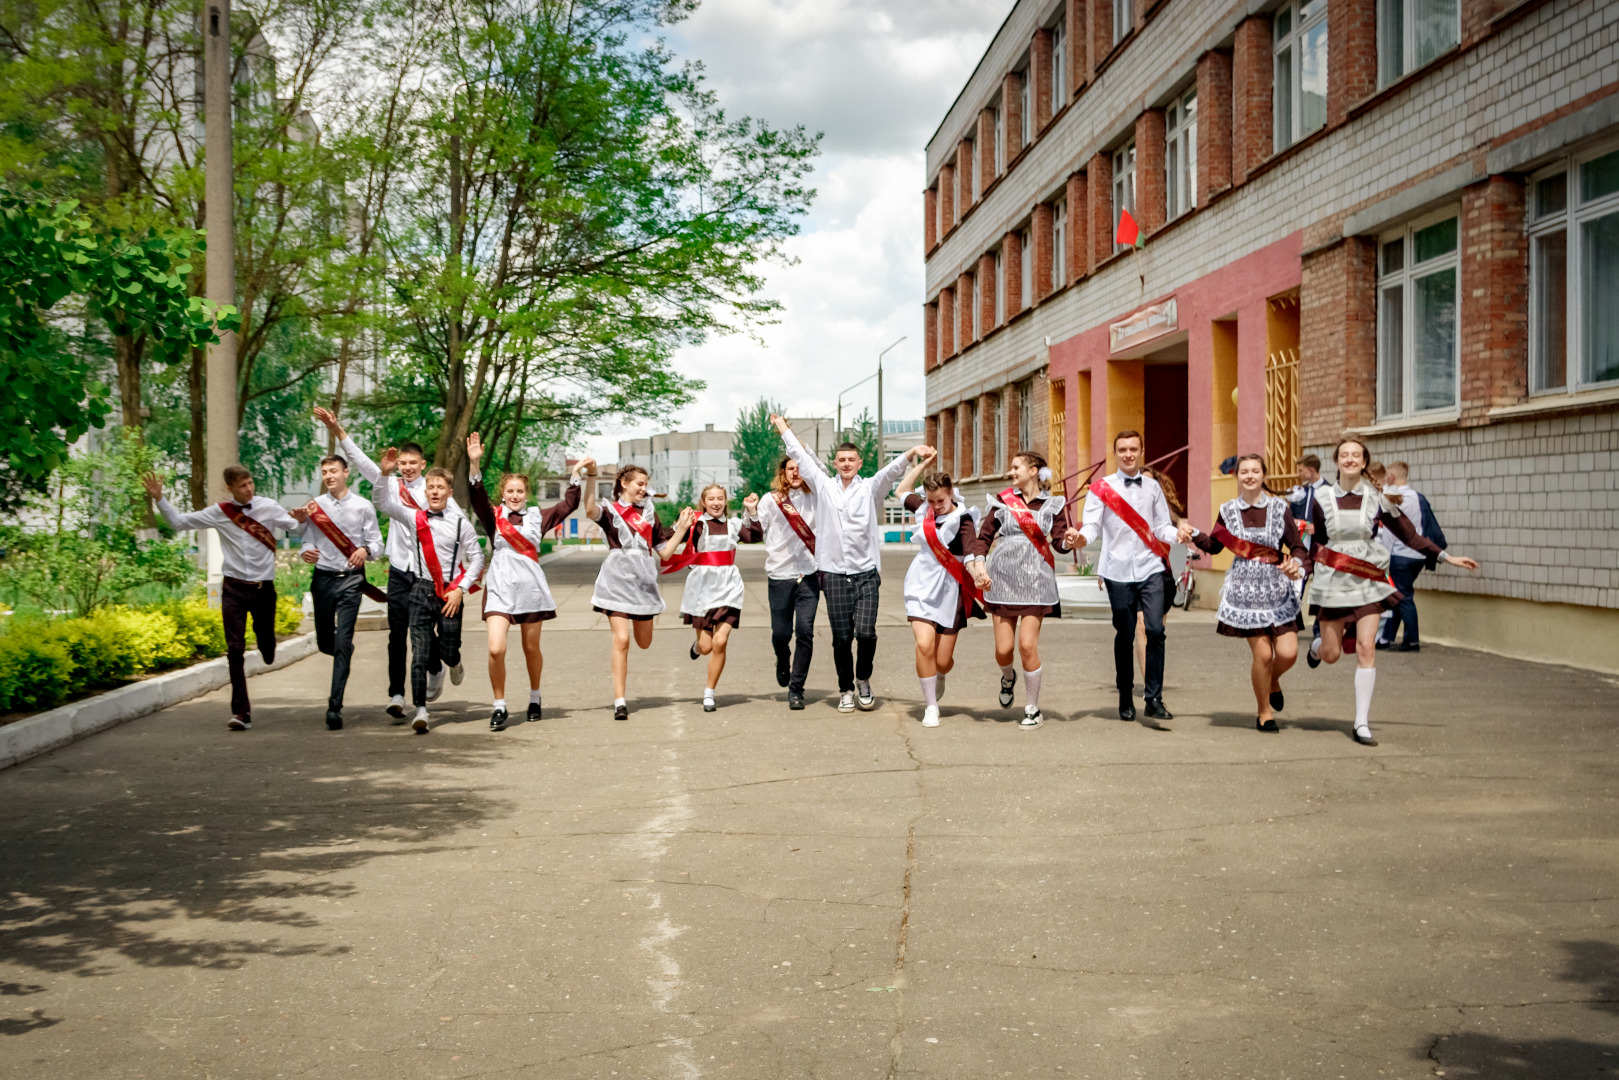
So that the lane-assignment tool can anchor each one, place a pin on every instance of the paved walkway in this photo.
(758, 893)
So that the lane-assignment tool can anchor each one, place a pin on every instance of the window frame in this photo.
(1124, 19)
(1026, 268)
(1407, 277)
(1569, 221)
(1291, 42)
(1180, 126)
(1000, 286)
(1059, 244)
(1000, 140)
(1025, 429)
(1059, 67)
(1123, 180)
(1408, 40)
(1026, 111)
(1000, 434)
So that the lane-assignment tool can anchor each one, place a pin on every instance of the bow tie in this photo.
(514, 516)
(1132, 481)
(435, 513)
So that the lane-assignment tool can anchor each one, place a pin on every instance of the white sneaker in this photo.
(938, 687)
(864, 695)
(435, 683)
(240, 723)
(396, 708)
(456, 674)
(419, 725)
(930, 716)
(846, 701)
(1031, 717)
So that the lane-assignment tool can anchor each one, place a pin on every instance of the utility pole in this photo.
(882, 445)
(219, 218)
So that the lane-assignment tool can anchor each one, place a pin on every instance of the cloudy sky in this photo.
(876, 76)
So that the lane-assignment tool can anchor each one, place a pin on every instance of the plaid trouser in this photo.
(435, 638)
(851, 608)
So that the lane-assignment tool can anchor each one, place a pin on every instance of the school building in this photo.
(1392, 218)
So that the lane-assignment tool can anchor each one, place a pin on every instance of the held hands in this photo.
(1074, 539)
(1184, 533)
(154, 486)
(474, 449)
(922, 452)
(687, 516)
(1292, 568)
(584, 467)
(452, 602)
(980, 576)
(751, 504)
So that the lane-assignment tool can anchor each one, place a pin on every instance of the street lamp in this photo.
(878, 375)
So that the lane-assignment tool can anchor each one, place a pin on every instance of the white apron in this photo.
(628, 579)
(711, 587)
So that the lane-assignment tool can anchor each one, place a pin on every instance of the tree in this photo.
(669, 509)
(863, 435)
(757, 447)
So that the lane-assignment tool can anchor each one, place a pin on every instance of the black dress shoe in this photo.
(1266, 725)
(497, 720)
(1382, 645)
(621, 712)
(334, 720)
(1366, 739)
(1311, 658)
(1127, 707)
(784, 674)
(694, 653)
(795, 700)
(1409, 646)
(533, 712)
(1277, 701)
(1156, 710)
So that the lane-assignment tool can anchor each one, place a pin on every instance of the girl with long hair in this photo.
(515, 589)
(939, 593)
(1351, 587)
(1018, 575)
(1257, 601)
(712, 602)
(627, 584)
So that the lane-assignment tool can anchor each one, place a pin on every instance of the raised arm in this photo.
(208, 517)
(889, 474)
(678, 534)
(479, 498)
(813, 472)
(382, 492)
(913, 474)
(750, 530)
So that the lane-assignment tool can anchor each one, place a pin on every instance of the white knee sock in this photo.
(500, 703)
(1365, 681)
(1031, 687)
(1008, 673)
(930, 694)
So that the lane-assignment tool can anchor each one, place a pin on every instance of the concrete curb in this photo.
(50, 730)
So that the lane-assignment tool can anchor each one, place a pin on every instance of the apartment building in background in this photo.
(1397, 219)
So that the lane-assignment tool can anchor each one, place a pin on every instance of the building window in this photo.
(1124, 19)
(1416, 318)
(1000, 145)
(1026, 120)
(977, 455)
(1000, 434)
(1180, 155)
(1025, 414)
(1300, 34)
(1059, 243)
(1000, 288)
(1124, 187)
(1026, 292)
(966, 435)
(978, 181)
(963, 183)
(1574, 274)
(1059, 71)
(1410, 33)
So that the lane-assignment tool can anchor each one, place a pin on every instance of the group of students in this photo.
(822, 535)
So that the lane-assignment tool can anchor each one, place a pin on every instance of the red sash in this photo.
(341, 541)
(690, 556)
(251, 526)
(795, 520)
(1350, 565)
(968, 590)
(424, 540)
(715, 558)
(630, 516)
(1246, 549)
(1026, 521)
(405, 497)
(1132, 520)
(514, 536)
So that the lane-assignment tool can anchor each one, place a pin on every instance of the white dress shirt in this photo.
(786, 556)
(245, 557)
(1306, 494)
(1124, 557)
(460, 559)
(401, 546)
(356, 518)
(1412, 509)
(849, 522)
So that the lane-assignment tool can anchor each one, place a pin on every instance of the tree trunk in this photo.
(127, 355)
(344, 352)
(199, 432)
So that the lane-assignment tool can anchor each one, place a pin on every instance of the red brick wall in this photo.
(964, 159)
(947, 199)
(1011, 116)
(1150, 171)
(987, 404)
(1079, 67)
(947, 323)
(930, 431)
(1213, 124)
(1040, 68)
(1040, 235)
(1351, 55)
(964, 310)
(964, 438)
(986, 297)
(1100, 175)
(1338, 340)
(1078, 233)
(1251, 116)
(1101, 31)
(930, 336)
(1010, 403)
(947, 440)
(986, 148)
(1012, 270)
(930, 219)
(1495, 298)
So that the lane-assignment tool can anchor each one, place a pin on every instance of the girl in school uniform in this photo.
(1257, 601)
(627, 583)
(1351, 587)
(939, 592)
(712, 602)
(515, 589)
(1018, 575)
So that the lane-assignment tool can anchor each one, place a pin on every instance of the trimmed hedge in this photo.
(43, 662)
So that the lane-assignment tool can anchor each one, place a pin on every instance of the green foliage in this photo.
(132, 281)
(668, 510)
(757, 448)
(863, 435)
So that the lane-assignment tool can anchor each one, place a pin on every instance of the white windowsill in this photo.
(1442, 418)
(1549, 403)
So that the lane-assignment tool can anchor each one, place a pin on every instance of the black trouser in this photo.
(1152, 599)
(851, 608)
(1404, 573)
(793, 603)
(237, 600)
(399, 583)
(435, 638)
(337, 604)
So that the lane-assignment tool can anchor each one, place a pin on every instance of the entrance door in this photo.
(1164, 393)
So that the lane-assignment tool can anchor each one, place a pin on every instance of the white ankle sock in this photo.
(930, 690)
(533, 697)
(1008, 673)
(1365, 681)
(1315, 648)
(617, 702)
(708, 693)
(500, 703)
(1031, 687)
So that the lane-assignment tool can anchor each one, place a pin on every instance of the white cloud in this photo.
(876, 78)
